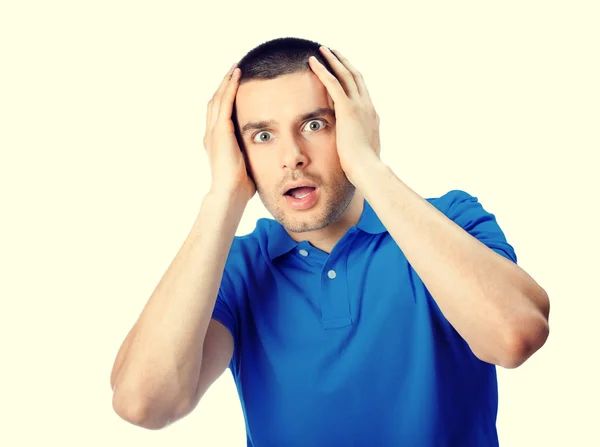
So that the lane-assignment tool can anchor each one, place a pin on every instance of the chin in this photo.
(323, 211)
(316, 218)
(303, 225)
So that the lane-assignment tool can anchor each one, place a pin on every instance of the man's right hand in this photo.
(227, 164)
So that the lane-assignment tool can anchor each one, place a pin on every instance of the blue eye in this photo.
(313, 121)
(265, 132)
(261, 140)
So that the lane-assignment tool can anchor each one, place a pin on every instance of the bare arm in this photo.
(160, 365)
(497, 307)
(175, 351)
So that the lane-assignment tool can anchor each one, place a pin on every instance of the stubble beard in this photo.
(338, 195)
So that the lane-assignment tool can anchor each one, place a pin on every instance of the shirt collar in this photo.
(280, 242)
(369, 222)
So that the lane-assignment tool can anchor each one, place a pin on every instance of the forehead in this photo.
(282, 98)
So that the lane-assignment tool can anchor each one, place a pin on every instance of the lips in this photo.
(291, 188)
(300, 192)
(302, 198)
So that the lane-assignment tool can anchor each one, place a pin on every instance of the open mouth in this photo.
(299, 192)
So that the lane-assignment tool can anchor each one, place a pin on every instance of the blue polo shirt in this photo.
(349, 348)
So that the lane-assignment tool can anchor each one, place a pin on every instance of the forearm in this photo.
(492, 303)
(159, 362)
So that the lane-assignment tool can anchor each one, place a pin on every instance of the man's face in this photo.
(285, 149)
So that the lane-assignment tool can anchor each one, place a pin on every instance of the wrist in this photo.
(228, 198)
(224, 206)
(364, 168)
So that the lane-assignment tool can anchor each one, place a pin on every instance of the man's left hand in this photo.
(357, 122)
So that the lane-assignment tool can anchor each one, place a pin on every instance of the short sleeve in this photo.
(224, 312)
(466, 211)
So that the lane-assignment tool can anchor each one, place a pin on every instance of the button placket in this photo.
(335, 300)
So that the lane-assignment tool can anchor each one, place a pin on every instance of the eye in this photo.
(262, 140)
(323, 124)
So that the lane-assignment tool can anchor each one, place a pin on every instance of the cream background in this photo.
(102, 109)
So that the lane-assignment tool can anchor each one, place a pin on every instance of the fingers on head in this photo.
(228, 98)
(222, 99)
(218, 98)
(209, 113)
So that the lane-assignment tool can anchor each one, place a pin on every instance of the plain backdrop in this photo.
(102, 172)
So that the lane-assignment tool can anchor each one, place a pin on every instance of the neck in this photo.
(326, 238)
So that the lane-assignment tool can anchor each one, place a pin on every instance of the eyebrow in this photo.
(321, 111)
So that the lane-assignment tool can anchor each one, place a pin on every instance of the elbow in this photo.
(138, 413)
(522, 343)
(145, 413)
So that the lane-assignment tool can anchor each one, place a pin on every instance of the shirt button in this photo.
(331, 274)
(303, 252)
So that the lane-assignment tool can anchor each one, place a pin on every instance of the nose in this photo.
(293, 155)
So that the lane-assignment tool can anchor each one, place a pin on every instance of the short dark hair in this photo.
(278, 57)
(274, 58)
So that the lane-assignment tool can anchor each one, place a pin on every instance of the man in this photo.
(362, 314)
